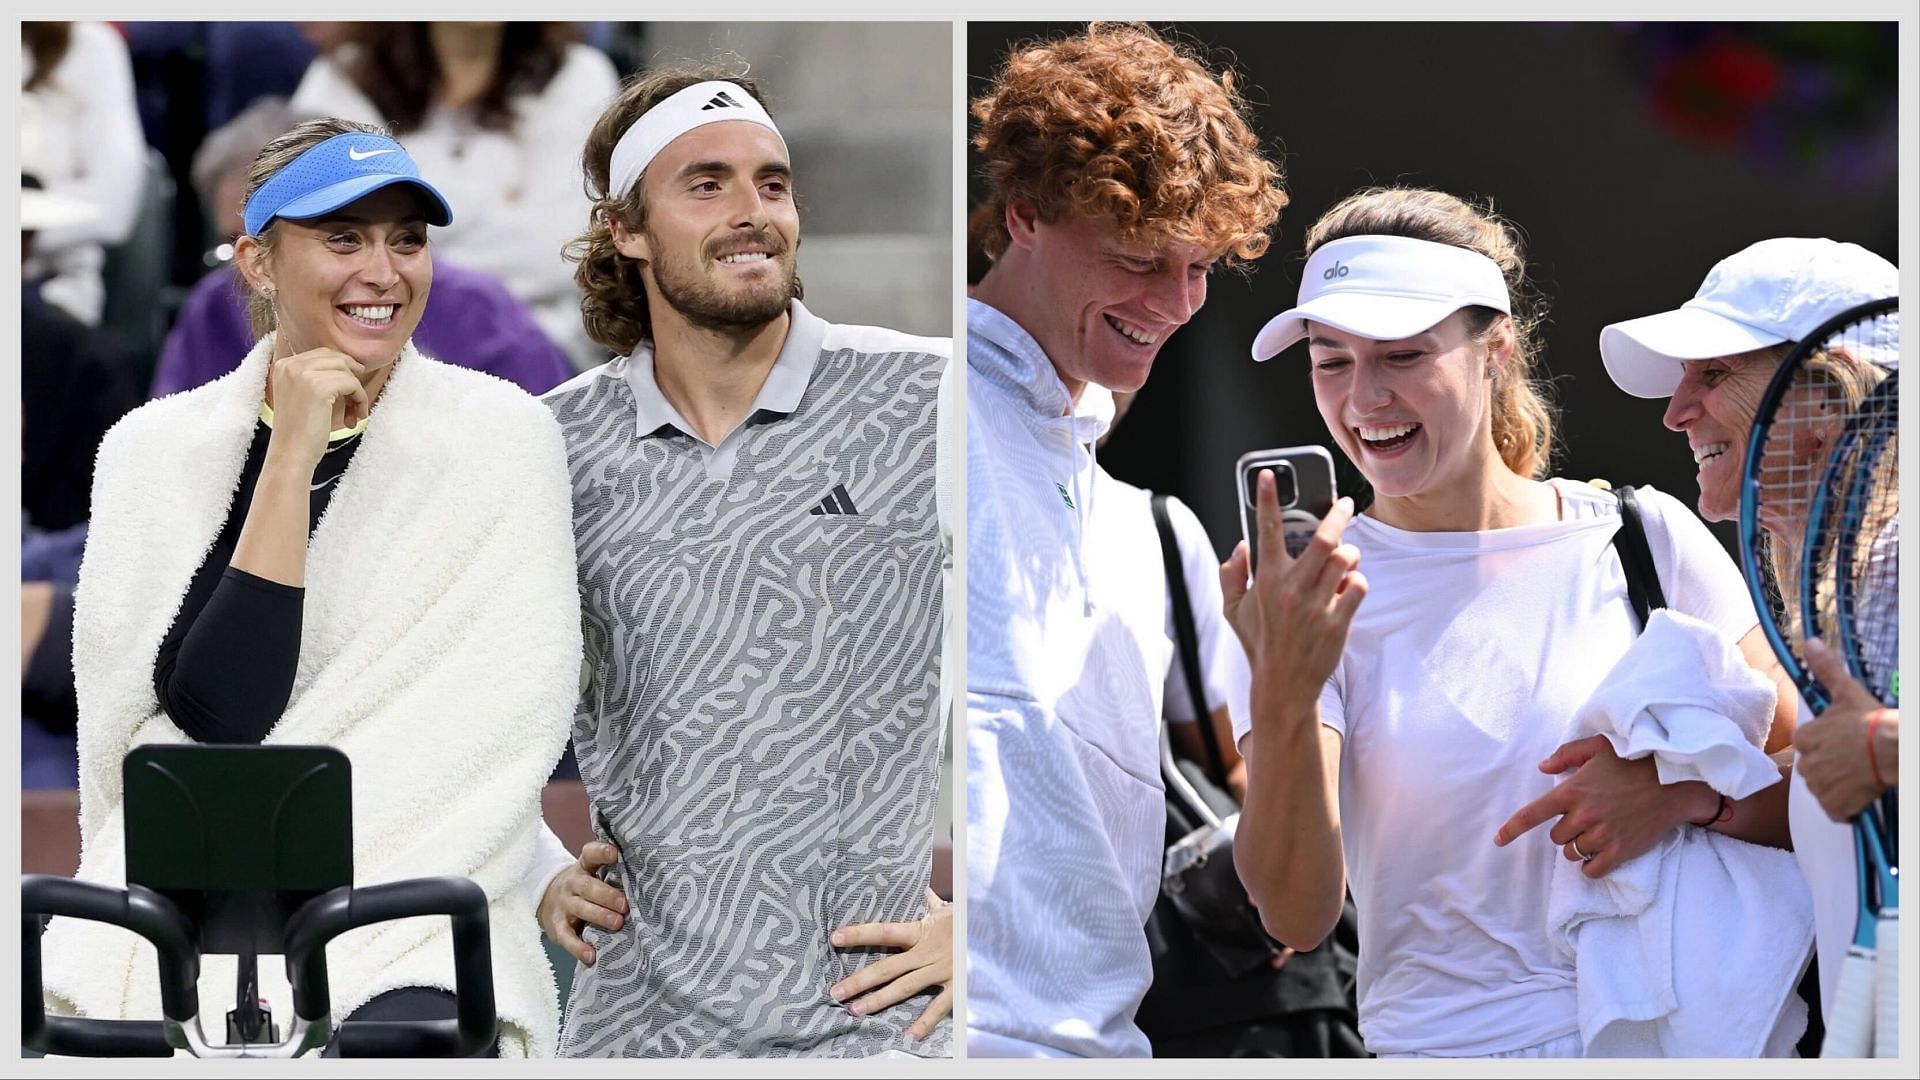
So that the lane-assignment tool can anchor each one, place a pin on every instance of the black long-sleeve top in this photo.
(225, 670)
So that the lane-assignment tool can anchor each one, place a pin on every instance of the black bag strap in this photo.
(1187, 638)
(1636, 559)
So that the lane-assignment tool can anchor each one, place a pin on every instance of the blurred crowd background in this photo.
(135, 142)
(1633, 156)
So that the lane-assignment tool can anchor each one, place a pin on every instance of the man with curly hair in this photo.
(760, 573)
(1122, 172)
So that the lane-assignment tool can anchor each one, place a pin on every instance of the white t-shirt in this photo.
(1824, 849)
(516, 194)
(1463, 670)
(1122, 519)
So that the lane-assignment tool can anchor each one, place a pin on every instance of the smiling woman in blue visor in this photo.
(342, 542)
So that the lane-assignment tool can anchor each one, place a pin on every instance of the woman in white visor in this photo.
(1407, 726)
(1713, 357)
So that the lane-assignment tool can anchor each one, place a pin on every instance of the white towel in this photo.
(1694, 948)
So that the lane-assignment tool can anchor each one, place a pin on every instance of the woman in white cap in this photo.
(1390, 740)
(341, 542)
(1714, 356)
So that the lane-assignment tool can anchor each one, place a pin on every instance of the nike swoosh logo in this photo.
(362, 156)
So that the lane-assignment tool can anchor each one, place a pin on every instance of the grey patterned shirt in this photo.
(759, 731)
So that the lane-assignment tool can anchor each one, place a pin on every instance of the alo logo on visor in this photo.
(362, 155)
(1334, 271)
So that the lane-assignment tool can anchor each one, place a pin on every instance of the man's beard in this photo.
(709, 306)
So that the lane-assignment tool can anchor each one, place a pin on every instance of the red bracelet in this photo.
(1872, 758)
(1725, 813)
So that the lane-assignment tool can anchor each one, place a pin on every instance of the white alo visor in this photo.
(1385, 288)
(696, 106)
(1770, 292)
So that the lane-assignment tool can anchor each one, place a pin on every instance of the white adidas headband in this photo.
(1385, 288)
(696, 106)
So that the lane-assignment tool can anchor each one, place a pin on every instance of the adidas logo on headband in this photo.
(673, 117)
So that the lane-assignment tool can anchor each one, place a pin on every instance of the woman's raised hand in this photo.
(314, 393)
(1293, 621)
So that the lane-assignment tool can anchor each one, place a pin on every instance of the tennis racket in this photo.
(1866, 586)
(1819, 549)
(1858, 501)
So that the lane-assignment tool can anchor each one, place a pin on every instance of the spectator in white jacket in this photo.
(80, 136)
(497, 112)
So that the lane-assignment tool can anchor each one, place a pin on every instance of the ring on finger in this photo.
(1585, 856)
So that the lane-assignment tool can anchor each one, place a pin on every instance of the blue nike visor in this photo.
(336, 172)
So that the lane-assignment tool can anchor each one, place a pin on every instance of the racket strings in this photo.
(1816, 480)
(1870, 581)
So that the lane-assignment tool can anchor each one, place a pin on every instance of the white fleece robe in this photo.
(440, 649)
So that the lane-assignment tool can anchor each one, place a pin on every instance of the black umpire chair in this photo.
(243, 851)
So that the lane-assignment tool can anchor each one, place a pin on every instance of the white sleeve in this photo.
(98, 73)
(1333, 712)
(1006, 638)
(1696, 573)
(1333, 708)
(949, 457)
(550, 857)
(1223, 665)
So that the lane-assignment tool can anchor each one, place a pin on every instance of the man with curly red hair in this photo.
(1123, 171)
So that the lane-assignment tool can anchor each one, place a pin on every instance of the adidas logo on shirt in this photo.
(721, 100)
(836, 502)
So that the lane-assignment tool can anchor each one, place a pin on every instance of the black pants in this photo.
(408, 1003)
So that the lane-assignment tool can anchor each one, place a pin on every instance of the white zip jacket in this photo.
(1065, 818)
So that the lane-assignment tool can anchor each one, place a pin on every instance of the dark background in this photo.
(1632, 156)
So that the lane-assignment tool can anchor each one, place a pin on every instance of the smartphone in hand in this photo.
(1303, 480)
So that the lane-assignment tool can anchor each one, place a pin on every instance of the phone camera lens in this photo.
(1284, 487)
